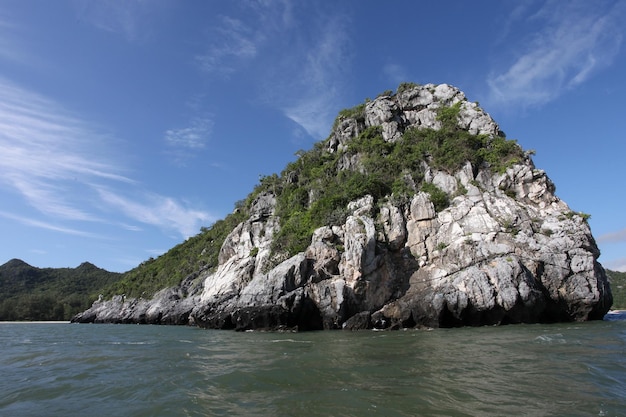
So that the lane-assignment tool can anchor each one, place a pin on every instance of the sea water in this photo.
(573, 369)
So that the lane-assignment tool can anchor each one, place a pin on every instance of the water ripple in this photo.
(124, 370)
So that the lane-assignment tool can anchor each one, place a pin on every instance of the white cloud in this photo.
(50, 198)
(163, 212)
(575, 40)
(192, 137)
(310, 99)
(616, 237)
(298, 72)
(48, 226)
(131, 227)
(613, 237)
(59, 166)
(232, 43)
(46, 154)
(616, 264)
(156, 252)
(184, 143)
(312, 112)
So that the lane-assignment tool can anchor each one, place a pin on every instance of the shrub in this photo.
(356, 112)
(406, 86)
(438, 197)
(501, 153)
(449, 116)
(441, 246)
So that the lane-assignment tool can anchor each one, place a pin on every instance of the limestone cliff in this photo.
(483, 241)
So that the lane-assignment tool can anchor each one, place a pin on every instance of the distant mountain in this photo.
(30, 293)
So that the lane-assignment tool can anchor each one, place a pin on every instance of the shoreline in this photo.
(610, 312)
(35, 322)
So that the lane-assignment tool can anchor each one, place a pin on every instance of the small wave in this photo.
(290, 341)
(551, 339)
(131, 343)
(615, 315)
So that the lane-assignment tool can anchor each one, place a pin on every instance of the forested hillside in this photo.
(30, 293)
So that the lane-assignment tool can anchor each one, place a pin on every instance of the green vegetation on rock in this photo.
(197, 253)
(439, 197)
(315, 190)
(406, 86)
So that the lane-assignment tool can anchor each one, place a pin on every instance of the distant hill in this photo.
(618, 287)
(30, 293)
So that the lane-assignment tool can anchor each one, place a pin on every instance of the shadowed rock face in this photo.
(506, 250)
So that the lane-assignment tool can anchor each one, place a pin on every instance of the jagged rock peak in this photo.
(412, 106)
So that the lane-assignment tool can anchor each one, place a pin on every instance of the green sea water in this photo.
(574, 369)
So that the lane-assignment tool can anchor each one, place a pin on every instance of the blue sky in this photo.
(125, 126)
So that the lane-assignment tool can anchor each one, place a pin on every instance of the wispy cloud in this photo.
(616, 237)
(232, 42)
(320, 85)
(616, 264)
(46, 225)
(46, 153)
(58, 164)
(129, 19)
(156, 252)
(613, 237)
(160, 211)
(299, 73)
(185, 142)
(193, 137)
(574, 41)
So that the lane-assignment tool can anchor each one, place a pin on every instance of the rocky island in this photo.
(415, 211)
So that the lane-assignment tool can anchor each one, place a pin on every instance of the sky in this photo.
(126, 126)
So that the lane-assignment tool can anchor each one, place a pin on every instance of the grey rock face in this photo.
(168, 306)
(506, 250)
